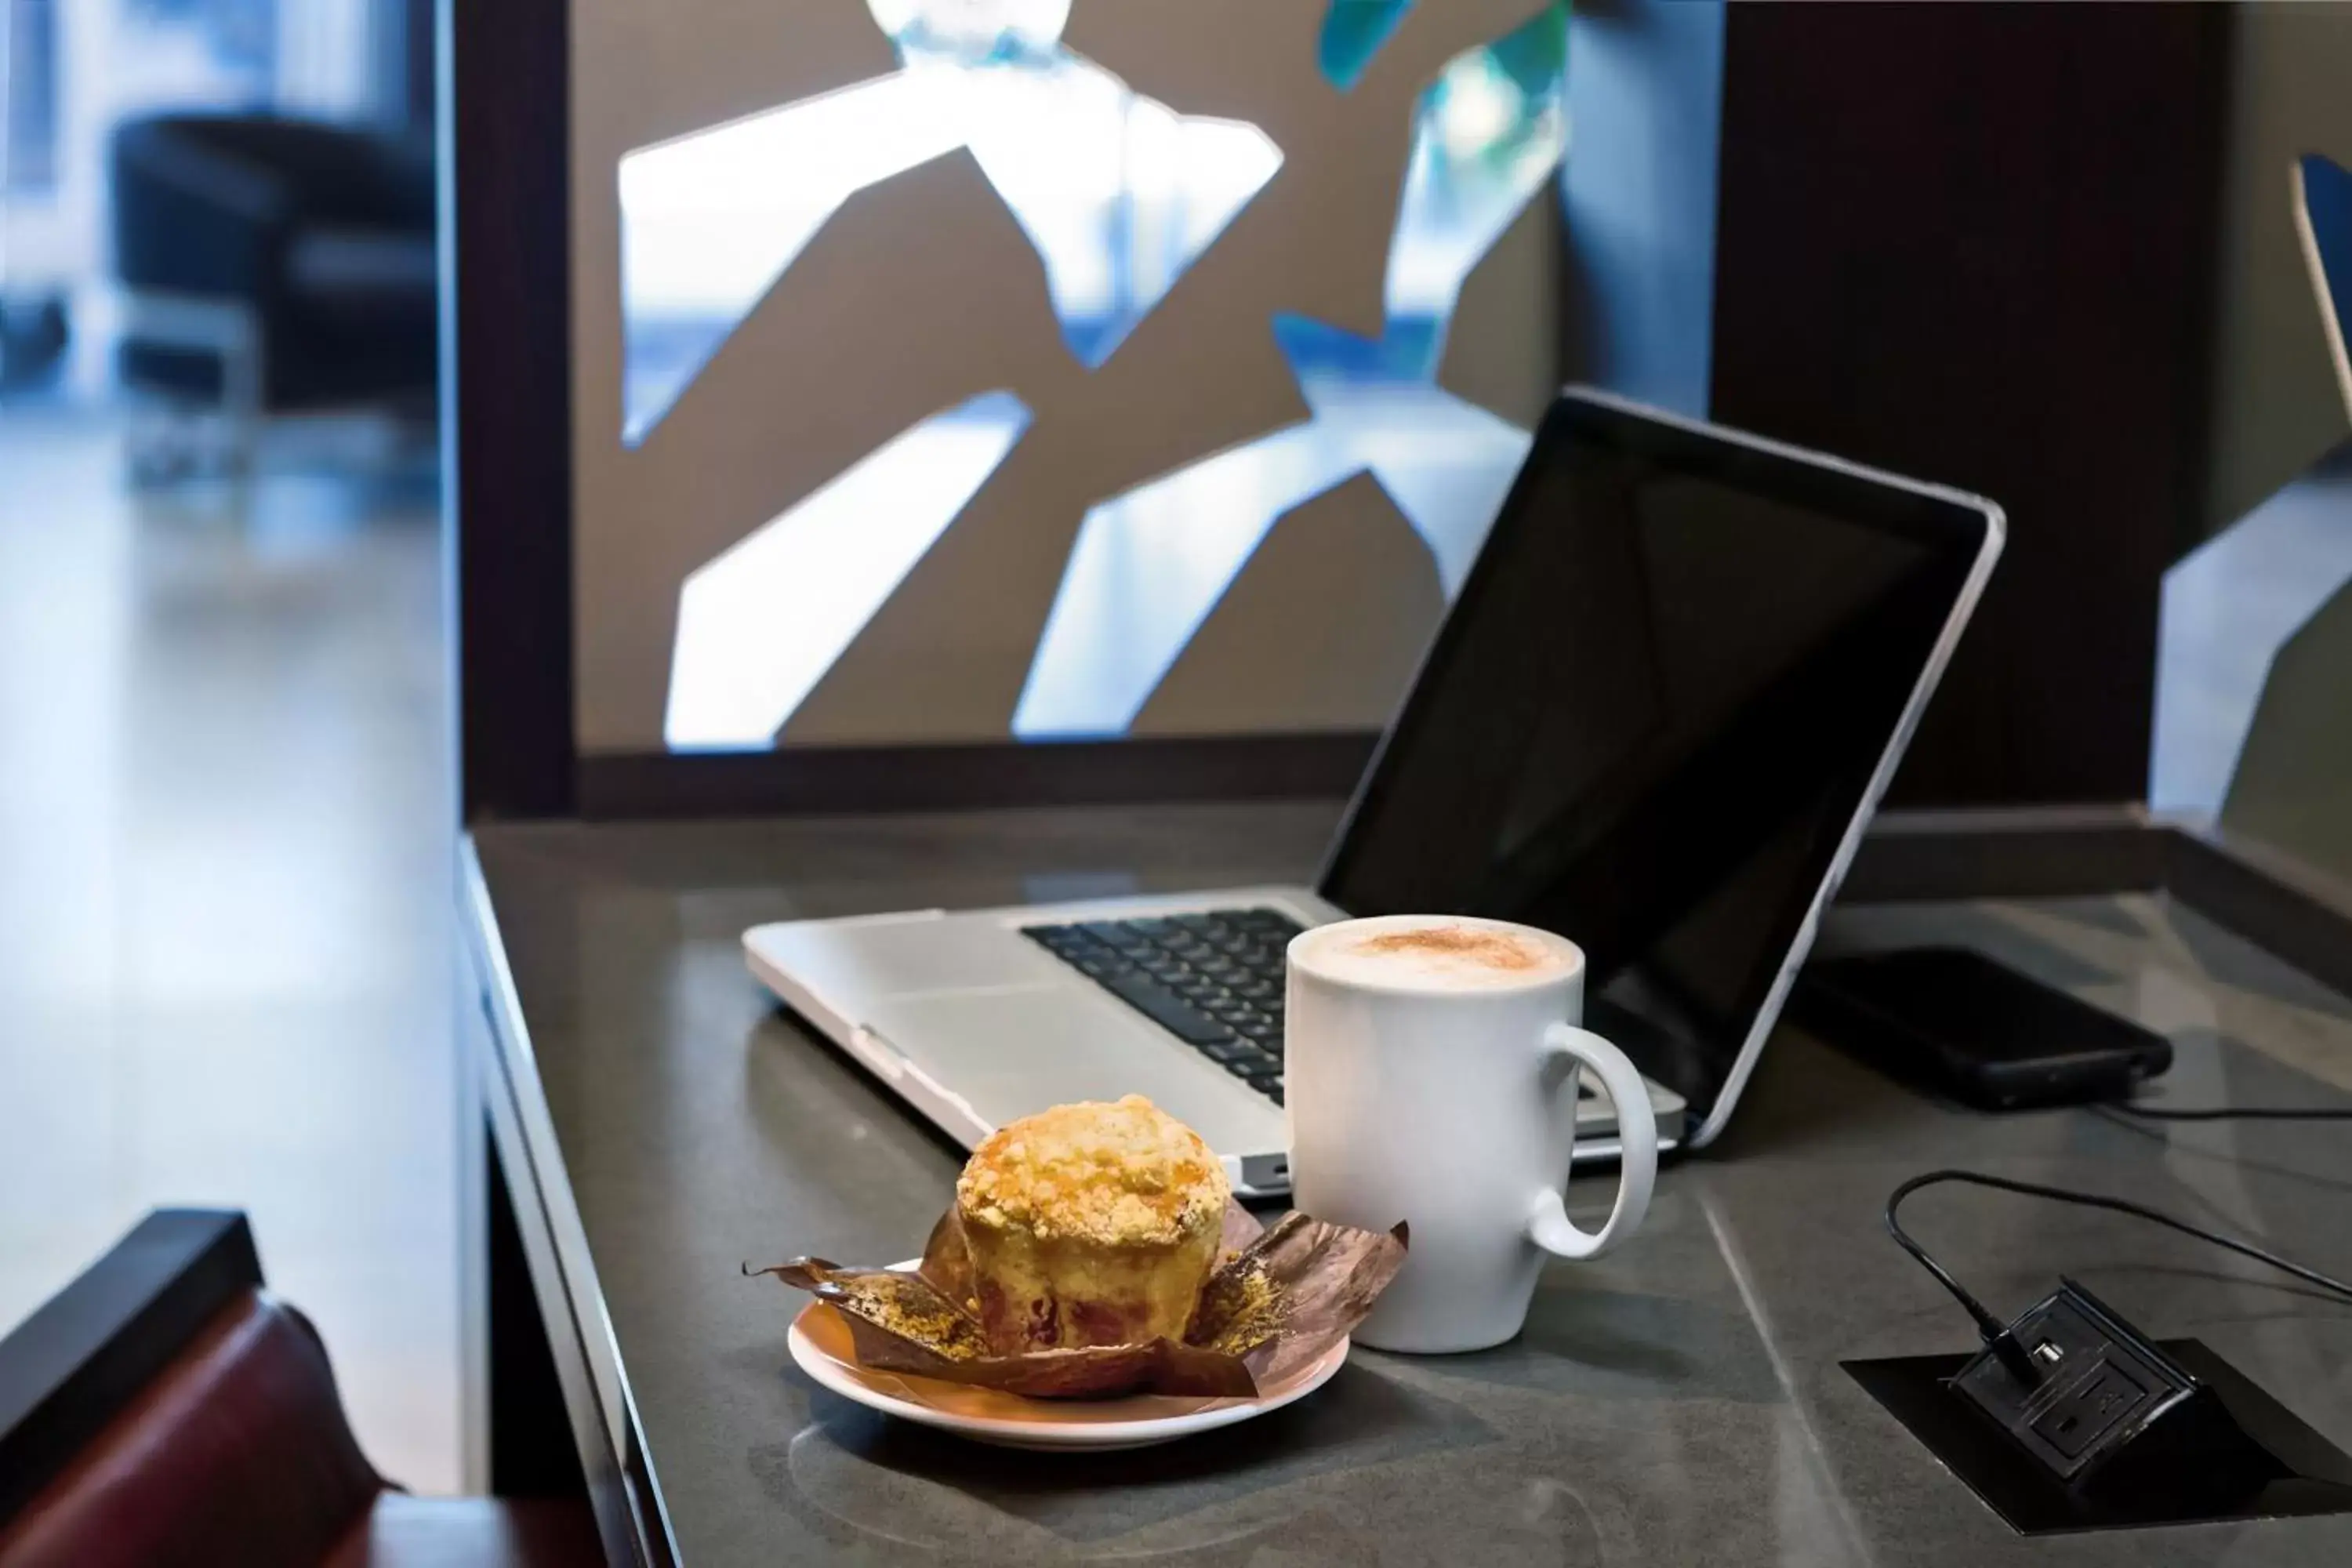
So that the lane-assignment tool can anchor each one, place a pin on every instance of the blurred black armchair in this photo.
(271, 265)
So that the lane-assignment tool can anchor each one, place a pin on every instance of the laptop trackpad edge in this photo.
(1013, 1052)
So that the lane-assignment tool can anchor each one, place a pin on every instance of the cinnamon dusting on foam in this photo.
(1434, 953)
(1461, 944)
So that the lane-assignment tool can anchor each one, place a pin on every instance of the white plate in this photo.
(1013, 1421)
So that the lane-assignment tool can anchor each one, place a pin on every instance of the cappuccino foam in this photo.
(1435, 953)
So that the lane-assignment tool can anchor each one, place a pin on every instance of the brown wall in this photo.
(1976, 243)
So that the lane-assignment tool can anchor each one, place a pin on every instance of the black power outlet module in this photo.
(2107, 1406)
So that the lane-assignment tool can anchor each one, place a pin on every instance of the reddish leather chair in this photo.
(164, 1409)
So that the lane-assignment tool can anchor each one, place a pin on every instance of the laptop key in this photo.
(1116, 934)
(1247, 1068)
(1172, 1014)
(1213, 979)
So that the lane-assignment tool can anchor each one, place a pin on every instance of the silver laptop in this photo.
(1656, 719)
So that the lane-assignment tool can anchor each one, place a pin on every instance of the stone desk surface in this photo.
(1680, 1401)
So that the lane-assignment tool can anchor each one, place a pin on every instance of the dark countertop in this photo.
(1678, 1402)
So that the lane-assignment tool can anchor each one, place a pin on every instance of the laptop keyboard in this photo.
(1213, 981)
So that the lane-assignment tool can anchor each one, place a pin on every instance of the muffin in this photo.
(1090, 1225)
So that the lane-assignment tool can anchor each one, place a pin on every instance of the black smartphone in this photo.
(1956, 1021)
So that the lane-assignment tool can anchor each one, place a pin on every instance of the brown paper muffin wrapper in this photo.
(1279, 1298)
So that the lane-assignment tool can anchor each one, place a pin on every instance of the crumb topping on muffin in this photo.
(1126, 1174)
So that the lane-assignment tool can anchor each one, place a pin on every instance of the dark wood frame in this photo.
(944, 777)
(504, 132)
(87, 1351)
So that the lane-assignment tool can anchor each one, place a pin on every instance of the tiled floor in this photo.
(223, 898)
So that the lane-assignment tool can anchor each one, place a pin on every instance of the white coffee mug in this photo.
(1428, 1084)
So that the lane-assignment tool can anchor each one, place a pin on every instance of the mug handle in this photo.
(1637, 1135)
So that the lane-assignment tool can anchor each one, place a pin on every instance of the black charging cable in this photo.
(2231, 1112)
(1996, 1333)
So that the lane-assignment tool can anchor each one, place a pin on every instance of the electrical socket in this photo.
(2100, 1384)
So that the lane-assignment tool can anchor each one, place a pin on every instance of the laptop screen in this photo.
(1654, 714)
